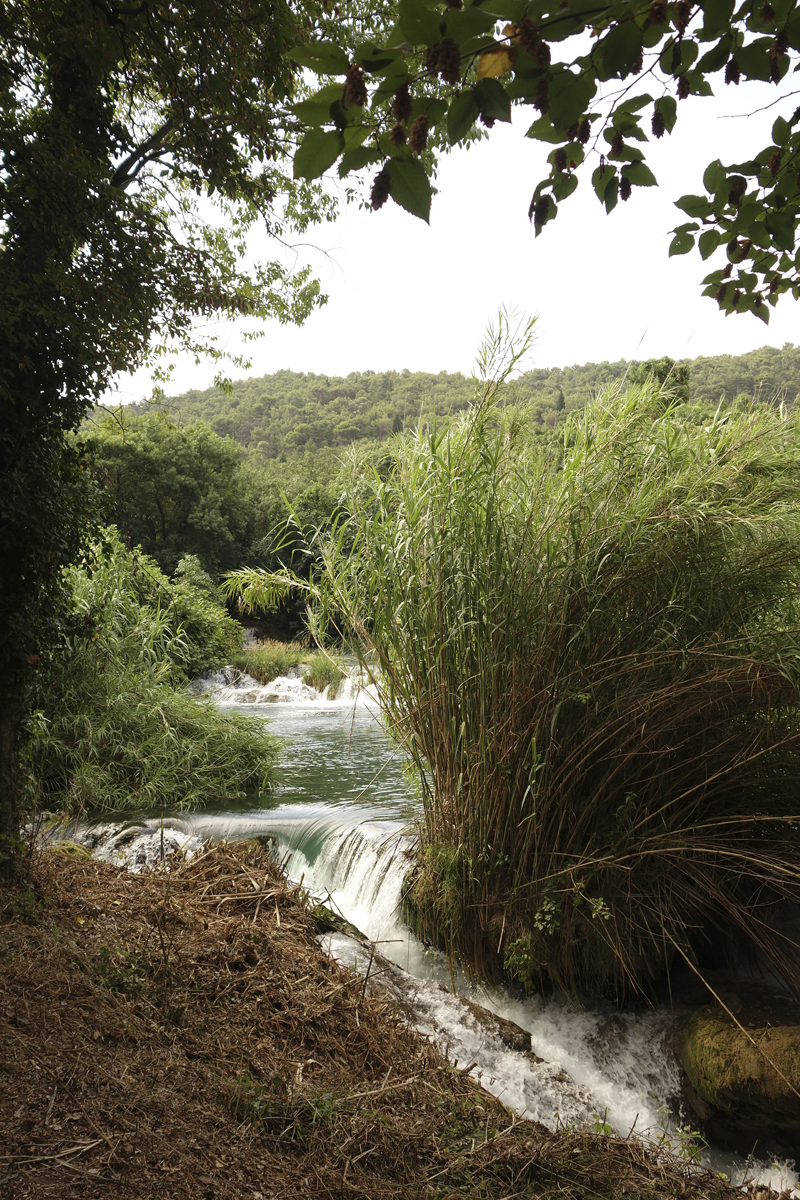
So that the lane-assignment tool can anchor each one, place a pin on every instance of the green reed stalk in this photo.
(591, 652)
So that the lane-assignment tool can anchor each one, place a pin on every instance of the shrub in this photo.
(115, 727)
(593, 658)
(268, 659)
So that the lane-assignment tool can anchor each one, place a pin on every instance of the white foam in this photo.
(138, 846)
(230, 687)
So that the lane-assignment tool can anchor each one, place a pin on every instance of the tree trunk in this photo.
(9, 809)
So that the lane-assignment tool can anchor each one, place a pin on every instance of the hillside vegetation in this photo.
(289, 412)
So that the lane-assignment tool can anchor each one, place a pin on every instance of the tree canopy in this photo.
(139, 144)
(600, 80)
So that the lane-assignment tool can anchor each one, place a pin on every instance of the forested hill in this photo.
(288, 411)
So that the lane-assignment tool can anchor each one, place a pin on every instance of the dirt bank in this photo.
(182, 1035)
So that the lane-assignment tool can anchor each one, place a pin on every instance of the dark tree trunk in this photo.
(9, 809)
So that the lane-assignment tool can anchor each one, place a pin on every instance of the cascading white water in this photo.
(338, 822)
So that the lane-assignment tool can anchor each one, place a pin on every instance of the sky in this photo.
(403, 294)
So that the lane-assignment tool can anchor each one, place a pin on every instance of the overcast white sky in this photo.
(404, 294)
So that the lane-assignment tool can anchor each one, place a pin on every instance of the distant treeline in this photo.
(219, 475)
(287, 412)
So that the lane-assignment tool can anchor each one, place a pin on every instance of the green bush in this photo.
(268, 659)
(593, 659)
(115, 727)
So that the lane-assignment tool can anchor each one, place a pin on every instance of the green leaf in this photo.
(461, 24)
(612, 194)
(668, 107)
(601, 177)
(564, 186)
(410, 186)
(620, 48)
(421, 26)
(569, 95)
(543, 130)
(754, 59)
(492, 100)
(312, 113)
(354, 135)
(462, 115)
(715, 58)
(714, 177)
(708, 242)
(781, 132)
(682, 243)
(506, 10)
(640, 174)
(634, 104)
(436, 110)
(762, 312)
(317, 152)
(694, 206)
(375, 58)
(316, 110)
(716, 17)
(781, 225)
(325, 58)
(356, 160)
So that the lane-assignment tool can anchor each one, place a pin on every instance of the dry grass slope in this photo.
(182, 1035)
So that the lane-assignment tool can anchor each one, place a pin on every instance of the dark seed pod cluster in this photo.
(732, 72)
(532, 42)
(418, 138)
(541, 98)
(380, 189)
(658, 13)
(721, 294)
(584, 131)
(683, 12)
(397, 135)
(624, 188)
(541, 211)
(449, 61)
(355, 90)
(560, 159)
(638, 64)
(738, 189)
(618, 144)
(684, 88)
(658, 124)
(402, 106)
(774, 163)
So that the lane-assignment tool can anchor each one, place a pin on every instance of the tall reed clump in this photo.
(115, 727)
(591, 652)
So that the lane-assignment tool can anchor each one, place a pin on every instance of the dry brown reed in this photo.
(182, 1035)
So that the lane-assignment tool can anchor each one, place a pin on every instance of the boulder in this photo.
(734, 1077)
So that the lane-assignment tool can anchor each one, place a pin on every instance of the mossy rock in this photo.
(734, 1075)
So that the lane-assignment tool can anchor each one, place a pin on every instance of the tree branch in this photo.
(129, 168)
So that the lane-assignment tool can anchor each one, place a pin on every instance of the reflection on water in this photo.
(336, 755)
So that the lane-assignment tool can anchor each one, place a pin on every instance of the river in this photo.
(342, 820)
